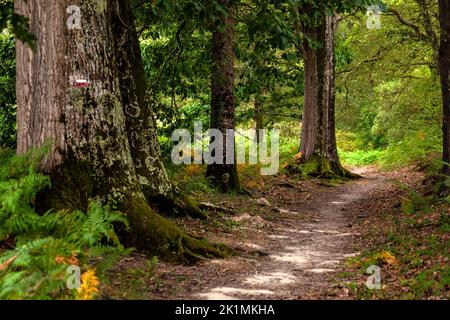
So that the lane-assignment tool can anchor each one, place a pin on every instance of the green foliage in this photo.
(414, 148)
(388, 90)
(46, 244)
(191, 178)
(19, 184)
(84, 229)
(354, 151)
(34, 272)
(289, 147)
(349, 141)
(186, 116)
(444, 222)
(360, 157)
(17, 23)
(418, 147)
(7, 91)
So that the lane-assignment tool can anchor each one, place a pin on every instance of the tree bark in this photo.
(312, 131)
(444, 71)
(330, 95)
(319, 156)
(141, 123)
(139, 115)
(91, 154)
(259, 117)
(224, 176)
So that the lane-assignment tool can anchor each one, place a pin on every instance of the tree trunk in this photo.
(331, 151)
(139, 115)
(259, 118)
(91, 154)
(444, 70)
(141, 123)
(224, 175)
(312, 133)
(319, 156)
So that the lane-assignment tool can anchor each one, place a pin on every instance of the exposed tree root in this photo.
(155, 234)
(72, 188)
(211, 206)
(320, 167)
(178, 206)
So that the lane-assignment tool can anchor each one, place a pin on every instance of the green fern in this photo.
(99, 224)
(45, 244)
(16, 196)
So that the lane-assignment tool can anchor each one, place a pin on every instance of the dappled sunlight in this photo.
(271, 279)
(228, 292)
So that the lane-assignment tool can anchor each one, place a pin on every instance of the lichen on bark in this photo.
(92, 153)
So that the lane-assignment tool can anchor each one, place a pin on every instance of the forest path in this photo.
(300, 256)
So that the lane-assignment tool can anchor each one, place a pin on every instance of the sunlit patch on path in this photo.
(301, 254)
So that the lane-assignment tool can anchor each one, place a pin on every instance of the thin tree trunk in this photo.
(330, 95)
(444, 70)
(321, 54)
(90, 154)
(259, 117)
(225, 176)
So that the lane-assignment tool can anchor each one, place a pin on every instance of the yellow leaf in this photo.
(386, 257)
(89, 285)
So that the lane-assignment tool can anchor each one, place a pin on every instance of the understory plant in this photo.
(53, 255)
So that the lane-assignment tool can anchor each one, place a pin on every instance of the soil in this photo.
(291, 239)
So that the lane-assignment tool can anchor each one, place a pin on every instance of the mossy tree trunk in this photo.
(224, 175)
(319, 156)
(92, 153)
(444, 70)
(141, 123)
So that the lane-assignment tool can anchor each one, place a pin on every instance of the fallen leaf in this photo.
(7, 263)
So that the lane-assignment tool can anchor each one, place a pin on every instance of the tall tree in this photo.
(94, 126)
(223, 174)
(330, 97)
(318, 149)
(141, 124)
(444, 71)
(314, 53)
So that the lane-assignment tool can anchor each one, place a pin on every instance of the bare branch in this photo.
(408, 23)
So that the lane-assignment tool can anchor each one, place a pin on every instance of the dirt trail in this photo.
(301, 256)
